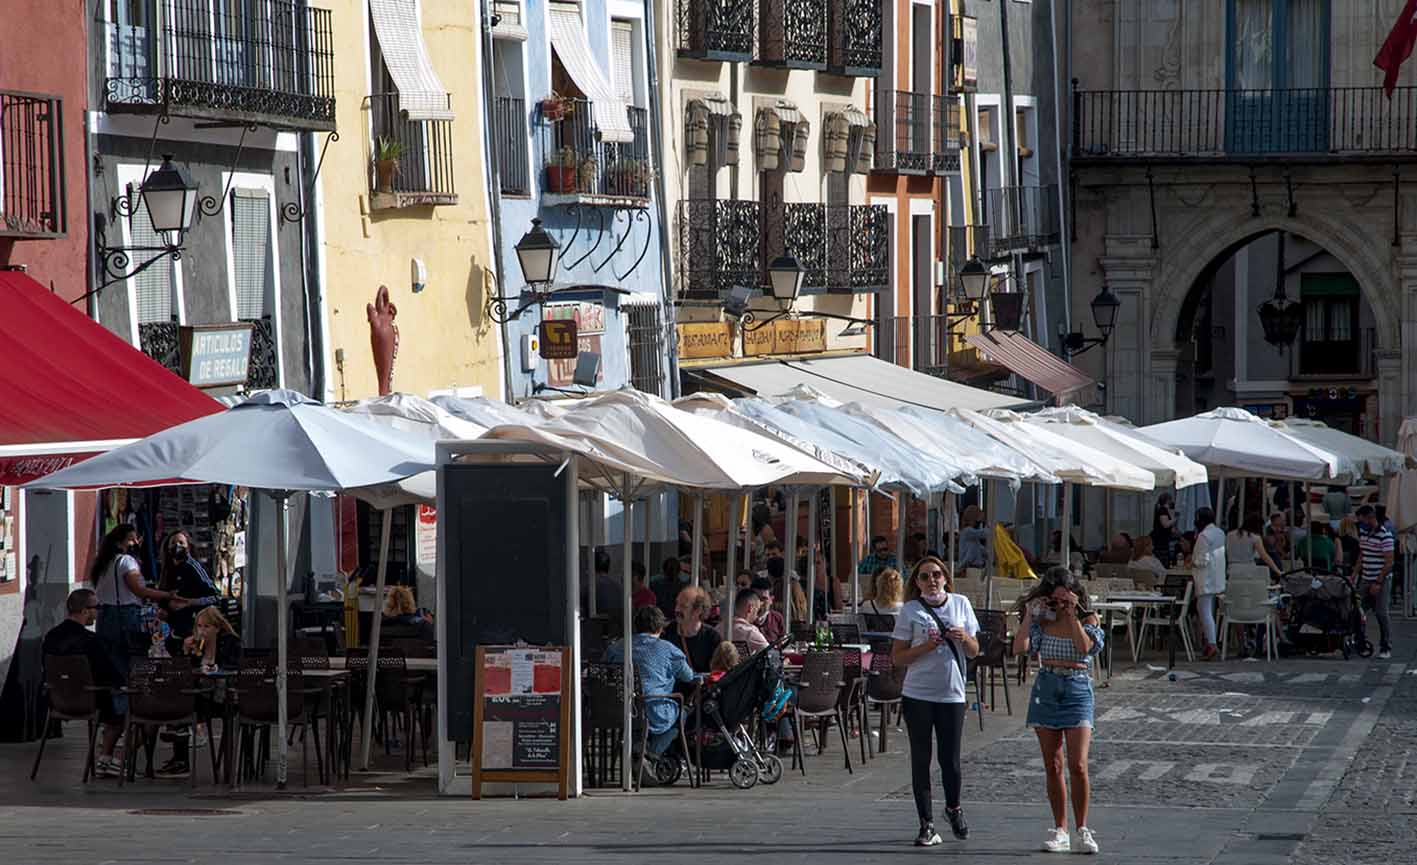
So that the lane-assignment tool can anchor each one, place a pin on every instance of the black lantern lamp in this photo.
(539, 254)
(1105, 307)
(974, 279)
(785, 278)
(1281, 317)
(1007, 307)
(170, 197)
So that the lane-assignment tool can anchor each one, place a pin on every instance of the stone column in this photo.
(1398, 396)
(1129, 276)
(1161, 393)
(1391, 410)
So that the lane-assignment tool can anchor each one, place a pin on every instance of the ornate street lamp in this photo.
(785, 277)
(539, 254)
(170, 197)
(1104, 317)
(974, 279)
(1281, 317)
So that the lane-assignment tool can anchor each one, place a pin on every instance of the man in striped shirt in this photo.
(1375, 544)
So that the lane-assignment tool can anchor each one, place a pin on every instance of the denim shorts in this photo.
(1061, 700)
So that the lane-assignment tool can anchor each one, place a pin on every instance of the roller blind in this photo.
(251, 251)
(622, 59)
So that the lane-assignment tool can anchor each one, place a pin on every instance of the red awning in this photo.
(1033, 362)
(69, 388)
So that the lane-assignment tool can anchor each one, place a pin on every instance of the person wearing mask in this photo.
(184, 576)
(1057, 627)
(973, 539)
(688, 631)
(745, 615)
(1208, 567)
(661, 666)
(73, 637)
(887, 601)
(1244, 547)
(120, 588)
(1164, 531)
(769, 620)
(1375, 558)
(935, 632)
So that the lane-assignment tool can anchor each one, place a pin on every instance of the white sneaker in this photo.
(1086, 843)
(1057, 842)
(1384, 655)
(107, 767)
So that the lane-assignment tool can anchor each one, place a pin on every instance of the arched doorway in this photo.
(1328, 374)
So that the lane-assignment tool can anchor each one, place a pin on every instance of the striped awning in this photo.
(422, 95)
(568, 40)
(855, 117)
(1029, 360)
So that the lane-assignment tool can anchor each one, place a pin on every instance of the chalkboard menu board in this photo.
(521, 716)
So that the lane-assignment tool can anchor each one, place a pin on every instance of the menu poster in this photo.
(522, 715)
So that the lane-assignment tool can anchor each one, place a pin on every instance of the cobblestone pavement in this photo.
(1310, 760)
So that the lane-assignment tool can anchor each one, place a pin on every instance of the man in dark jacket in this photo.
(73, 637)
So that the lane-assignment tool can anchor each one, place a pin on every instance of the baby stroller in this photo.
(1324, 614)
(731, 706)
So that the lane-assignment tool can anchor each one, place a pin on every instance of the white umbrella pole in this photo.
(902, 502)
(590, 553)
(726, 614)
(853, 545)
(1067, 545)
(282, 639)
(376, 620)
(628, 669)
(745, 518)
(790, 560)
(1222, 513)
(952, 520)
(698, 536)
(1240, 503)
(812, 557)
(1305, 511)
(649, 504)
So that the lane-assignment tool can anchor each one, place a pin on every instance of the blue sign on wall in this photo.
(214, 355)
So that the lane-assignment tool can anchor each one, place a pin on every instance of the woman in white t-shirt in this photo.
(934, 633)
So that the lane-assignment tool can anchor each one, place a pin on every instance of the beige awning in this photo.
(422, 95)
(568, 40)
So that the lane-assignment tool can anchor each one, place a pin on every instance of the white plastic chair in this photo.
(1159, 615)
(1247, 602)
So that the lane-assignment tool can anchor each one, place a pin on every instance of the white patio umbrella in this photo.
(1234, 441)
(1401, 494)
(1068, 460)
(278, 442)
(1358, 457)
(1169, 466)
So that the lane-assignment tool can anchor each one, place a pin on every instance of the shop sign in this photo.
(557, 339)
(787, 336)
(969, 52)
(705, 339)
(216, 355)
(426, 536)
(589, 319)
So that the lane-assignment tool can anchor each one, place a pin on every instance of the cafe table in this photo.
(1149, 600)
(1108, 608)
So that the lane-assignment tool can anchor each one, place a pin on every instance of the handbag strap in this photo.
(963, 676)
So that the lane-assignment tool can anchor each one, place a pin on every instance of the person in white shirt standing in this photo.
(934, 633)
(1208, 567)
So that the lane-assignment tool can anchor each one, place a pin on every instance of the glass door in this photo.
(1277, 73)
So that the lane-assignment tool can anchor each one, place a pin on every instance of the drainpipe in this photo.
(656, 131)
(1060, 110)
(494, 192)
(310, 252)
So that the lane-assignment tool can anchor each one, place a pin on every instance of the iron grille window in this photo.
(511, 141)
(31, 167)
(251, 251)
(645, 336)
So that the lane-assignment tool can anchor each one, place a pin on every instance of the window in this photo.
(1022, 139)
(1277, 64)
(645, 338)
(1331, 337)
(985, 131)
(251, 263)
(622, 59)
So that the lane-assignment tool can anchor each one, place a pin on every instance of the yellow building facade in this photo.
(404, 204)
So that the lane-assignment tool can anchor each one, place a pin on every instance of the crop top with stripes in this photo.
(1050, 648)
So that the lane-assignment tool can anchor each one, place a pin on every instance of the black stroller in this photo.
(1324, 614)
(731, 707)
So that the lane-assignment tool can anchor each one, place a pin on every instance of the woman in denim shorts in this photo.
(1058, 627)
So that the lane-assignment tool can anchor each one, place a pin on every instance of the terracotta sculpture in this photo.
(383, 338)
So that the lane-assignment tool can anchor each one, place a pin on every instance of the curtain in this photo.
(1253, 44)
(1306, 44)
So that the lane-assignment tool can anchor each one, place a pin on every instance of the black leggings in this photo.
(946, 722)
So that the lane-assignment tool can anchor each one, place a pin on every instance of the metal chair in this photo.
(846, 634)
(883, 690)
(602, 706)
(853, 695)
(258, 709)
(68, 682)
(994, 651)
(819, 699)
(1178, 612)
(161, 691)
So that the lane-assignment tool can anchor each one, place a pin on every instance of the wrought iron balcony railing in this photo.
(793, 33)
(919, 342)
(916, 133)
(509, 139)
(964, 241)
(1335, 358)
(1021, 219)
(854, 38)
(576, 162)
(715, 29)
(720, 246)
(32, 192)
(420, 170)
(269, 62)
(842, 249)
(1221, 125)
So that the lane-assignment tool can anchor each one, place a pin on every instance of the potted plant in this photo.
(587, 173)
(387, 153)
(561, 171)
(555, 107)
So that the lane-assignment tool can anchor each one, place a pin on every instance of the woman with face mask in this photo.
(184, 575)
(934, 633)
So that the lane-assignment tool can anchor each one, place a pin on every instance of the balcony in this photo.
(1019, 220)
(792, 34)
(32, 190)
(578, 167)
(270, 63)
(1335, 358)
(715, 29)
(411, 163)
(509, 137)
(916, 133)
(854, 38)
(1295, 125)
(720, 246)
(842, 249)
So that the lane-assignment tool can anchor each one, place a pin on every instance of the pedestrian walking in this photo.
(1063, 632)
(934, 633)
(1375, 552)
(1208, 564)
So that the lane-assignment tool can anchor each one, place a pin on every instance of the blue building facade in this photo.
(572, 141)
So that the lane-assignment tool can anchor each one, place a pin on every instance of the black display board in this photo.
(505, 566)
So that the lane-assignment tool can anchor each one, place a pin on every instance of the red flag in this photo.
(1398, 46)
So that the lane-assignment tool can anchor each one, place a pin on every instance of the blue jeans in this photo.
(114, 625)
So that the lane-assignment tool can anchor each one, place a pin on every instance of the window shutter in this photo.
(251, 251)
(622, 59)
(153, 286)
